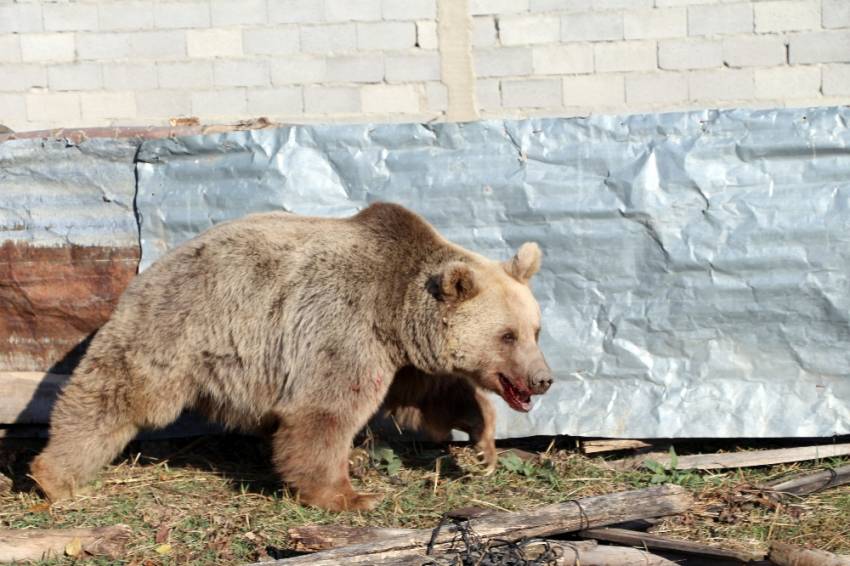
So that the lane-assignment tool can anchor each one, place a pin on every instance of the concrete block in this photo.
(502, 62)
(528, 30)
(69, 17)
(625, 56)
(18, 78)
(559, 6)
(390, 99)
(298, 70)
(163, 103)
(786, 15)
(820, 47)
(45, 47)
(481, 7)
(14, 111)
(602, 26)
(173, 15)
(213, 104)
(437, 97)
(836, 80)
(426, 35)
(103, 46)
(655, 23)
(531, 93)
(185, 75)
(328, 38)
(677, 54)
(621, 4)
(286, 101)
(241, 73)
(20, 18)
(414, 67)
(754, 51)
(208, 43)
(788, 82)
(75, 76)
(720, 19)
(593, 91)
(296, 12)
(484, 31)
(409, 9)
(277, 40)
(386, 35)
(170, 44)
(488, 94)
(10, 48)
(367, 68)
(129, 76)
(331, 100)
(656, 88)
(572, 58)
(125, 16)
(102, 106)
(238, 12)
(352, 10)
(835, 14)
(733, 84)
(54, 107)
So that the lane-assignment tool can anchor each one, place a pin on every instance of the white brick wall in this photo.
(99, 62)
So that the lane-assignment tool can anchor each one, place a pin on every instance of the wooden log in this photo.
(564, 517)
(656, 542)
(785, 554)
(746, 459)
(28, 396)
(803, 484)
(18, 545)
(612, 445)
(314, 538)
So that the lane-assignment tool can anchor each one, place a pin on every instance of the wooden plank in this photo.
(746, 459)
(18, 545)
(656, 542)
(789, 555)
(803, 484)
(612, 445)
(553, 519)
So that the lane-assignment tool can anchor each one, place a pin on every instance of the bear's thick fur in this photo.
(299, 323)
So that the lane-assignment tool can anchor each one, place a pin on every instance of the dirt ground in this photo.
(215, 499)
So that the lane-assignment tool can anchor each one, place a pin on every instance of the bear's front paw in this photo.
(347, 500)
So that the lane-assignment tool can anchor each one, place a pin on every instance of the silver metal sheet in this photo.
(695, 280)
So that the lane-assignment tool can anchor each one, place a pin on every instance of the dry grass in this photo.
(214, 500)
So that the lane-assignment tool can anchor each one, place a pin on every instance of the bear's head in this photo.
(492, 323)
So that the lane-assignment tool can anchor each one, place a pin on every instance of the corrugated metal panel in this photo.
(68, 245)
(695, 275)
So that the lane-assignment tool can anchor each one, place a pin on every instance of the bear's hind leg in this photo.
(85, 435)
(94, 418)
(311, 451)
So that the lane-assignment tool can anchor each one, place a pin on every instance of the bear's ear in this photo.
(453, 284)
(525, 263)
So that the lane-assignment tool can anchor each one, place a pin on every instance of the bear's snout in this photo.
(540, 382)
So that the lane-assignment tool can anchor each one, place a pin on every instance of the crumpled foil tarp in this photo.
(695, 280)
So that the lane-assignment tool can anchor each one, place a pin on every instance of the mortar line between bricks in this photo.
(455, 30)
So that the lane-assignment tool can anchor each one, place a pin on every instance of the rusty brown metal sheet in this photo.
(68, 246)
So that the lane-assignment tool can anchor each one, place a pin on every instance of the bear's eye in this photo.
(509, 337)
(537, 335)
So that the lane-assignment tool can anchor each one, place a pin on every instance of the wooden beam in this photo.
(612, 445)
(745, 459)
(789, 555)
(803, 484)
(655, 542)
(553, 519)
(17, 545)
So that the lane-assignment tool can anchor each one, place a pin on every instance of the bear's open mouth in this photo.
(518, 400)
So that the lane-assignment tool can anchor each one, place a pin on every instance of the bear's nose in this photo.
(540, 382)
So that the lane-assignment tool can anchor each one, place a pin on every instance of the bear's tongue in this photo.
(518, 400)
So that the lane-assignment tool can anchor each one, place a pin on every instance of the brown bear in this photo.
(301, 322)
